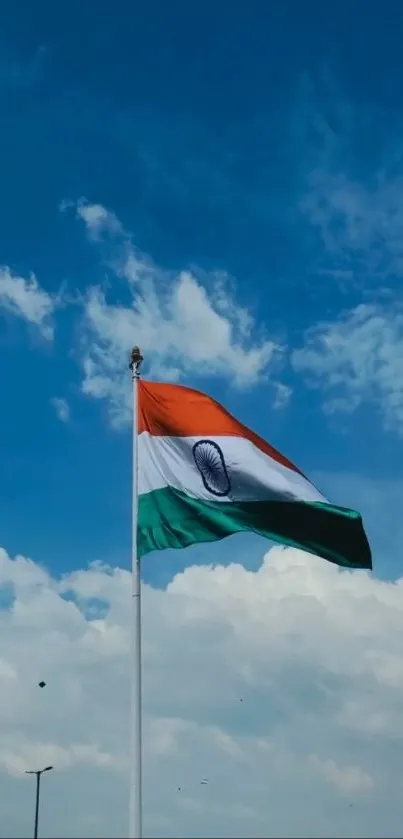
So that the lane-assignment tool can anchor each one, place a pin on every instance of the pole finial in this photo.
(135, 362)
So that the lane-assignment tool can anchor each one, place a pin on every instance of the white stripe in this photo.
(253, 475)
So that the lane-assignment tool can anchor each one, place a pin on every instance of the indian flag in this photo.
(202, 476)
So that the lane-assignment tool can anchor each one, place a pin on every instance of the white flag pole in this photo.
(136, 804)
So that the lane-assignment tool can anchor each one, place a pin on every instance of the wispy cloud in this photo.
(351, 183)
(62, 408)
(282, 395)
(26, 299)
(359, 223)
(352, 197)
(184, 325)
(98, 220)
(357, 358)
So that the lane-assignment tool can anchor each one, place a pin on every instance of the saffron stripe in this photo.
(167, 410)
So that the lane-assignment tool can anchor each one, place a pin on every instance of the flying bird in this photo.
(42, 684)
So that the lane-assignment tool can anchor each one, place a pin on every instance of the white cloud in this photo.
(358, 358)
(277, 686)
(184, 326)
(26, 299)
(98, 220)
(62, 408)
(282, 395)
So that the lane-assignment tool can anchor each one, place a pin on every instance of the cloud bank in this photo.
(278, 686)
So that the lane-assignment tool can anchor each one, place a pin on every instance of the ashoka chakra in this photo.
(210, 462)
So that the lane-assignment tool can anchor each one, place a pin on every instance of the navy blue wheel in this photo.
(210, 462)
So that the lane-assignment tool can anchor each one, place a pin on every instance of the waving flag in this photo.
(202, 475)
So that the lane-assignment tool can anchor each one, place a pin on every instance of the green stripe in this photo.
(169, 518)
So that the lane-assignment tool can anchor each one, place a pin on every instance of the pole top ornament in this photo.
(135, 361)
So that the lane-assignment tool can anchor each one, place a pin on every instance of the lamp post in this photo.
(38, 773)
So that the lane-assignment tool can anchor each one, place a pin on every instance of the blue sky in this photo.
(222, 184)
(264, 146)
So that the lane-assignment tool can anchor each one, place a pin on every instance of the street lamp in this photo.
(38, 773)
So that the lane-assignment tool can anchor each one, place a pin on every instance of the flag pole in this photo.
(136, 814)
